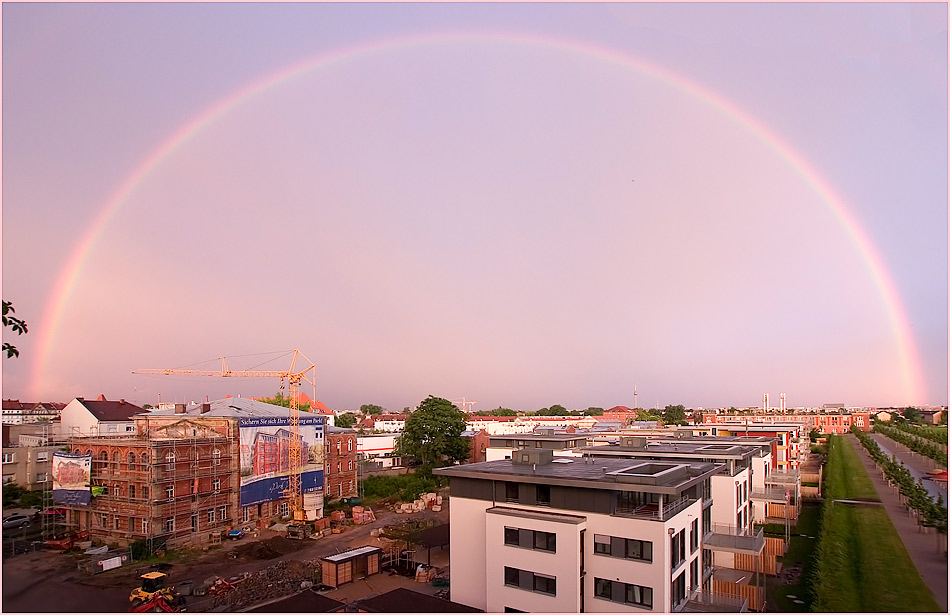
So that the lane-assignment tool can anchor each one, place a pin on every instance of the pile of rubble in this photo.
(281, 579)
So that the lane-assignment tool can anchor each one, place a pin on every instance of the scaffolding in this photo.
(164, 489)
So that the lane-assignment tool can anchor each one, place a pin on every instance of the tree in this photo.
(345, 420)
(433, 434)
(281, 400)
(674, 415)
(368, 409)
(555, 410)
(499, 411)
(912, 414)
(18, 326)
(594, 411)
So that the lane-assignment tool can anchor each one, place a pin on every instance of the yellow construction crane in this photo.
(294, 378)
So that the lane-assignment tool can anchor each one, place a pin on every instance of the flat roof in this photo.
(560, 437)
(677, 448)
(536, 514)
(342, 557)
(600, 473)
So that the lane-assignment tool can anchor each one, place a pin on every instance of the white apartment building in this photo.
(559, 534)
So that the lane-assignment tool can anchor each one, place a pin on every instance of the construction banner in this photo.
(265, 457)
(71, 478)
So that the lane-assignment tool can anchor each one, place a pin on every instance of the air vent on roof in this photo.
(562, 460)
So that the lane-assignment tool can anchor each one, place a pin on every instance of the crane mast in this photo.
(294, 378)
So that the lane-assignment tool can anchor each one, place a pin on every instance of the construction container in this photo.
(350, 565)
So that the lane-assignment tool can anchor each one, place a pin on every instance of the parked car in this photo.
(14, 521)
(236, 534)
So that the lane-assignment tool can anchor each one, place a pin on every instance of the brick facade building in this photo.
(340, 478)
(174, 482)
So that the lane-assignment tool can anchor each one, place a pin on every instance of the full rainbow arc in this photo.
(906, 348)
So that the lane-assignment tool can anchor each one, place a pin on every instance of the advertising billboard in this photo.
(71, 478)
(265, 457)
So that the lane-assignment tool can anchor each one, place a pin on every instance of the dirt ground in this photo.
(48, 581)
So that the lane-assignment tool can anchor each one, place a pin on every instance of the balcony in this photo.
(735, 540)
(780, 477)
(654, 512)
(705, 602)
(773, 494)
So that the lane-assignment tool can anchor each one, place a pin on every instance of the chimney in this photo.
(205, 407)
(179, 408)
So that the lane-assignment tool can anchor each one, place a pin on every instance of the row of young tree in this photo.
(934, 434)
(929, 513)
(921, 447)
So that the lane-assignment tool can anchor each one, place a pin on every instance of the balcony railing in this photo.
(730, 538)
(772, 494)
(706, 602)
(654, 512)
(780, 477)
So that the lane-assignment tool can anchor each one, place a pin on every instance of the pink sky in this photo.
(505, 217)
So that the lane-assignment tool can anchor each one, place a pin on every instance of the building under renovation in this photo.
(185, 475)
(174, 481)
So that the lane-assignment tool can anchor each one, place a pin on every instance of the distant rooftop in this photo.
(601, 473)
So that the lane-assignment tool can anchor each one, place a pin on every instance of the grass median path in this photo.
(862, 564)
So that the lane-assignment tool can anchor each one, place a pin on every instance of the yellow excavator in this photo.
(153, 594)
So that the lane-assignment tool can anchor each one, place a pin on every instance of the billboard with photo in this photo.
(265, 457)
(71, 475)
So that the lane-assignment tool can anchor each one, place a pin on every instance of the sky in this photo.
(519, 204)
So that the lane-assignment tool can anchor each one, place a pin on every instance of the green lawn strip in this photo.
(862, 564)
(800, 551)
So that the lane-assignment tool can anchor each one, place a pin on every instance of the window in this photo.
(626, 593)
(545, 541)
(170, 491)
(638, 549)
(145, 492)
(349, 445)
(531, 539)
(511, 492)
(115, 491)
(544, 495)
(9, 457)
(637, 594)
(170, 524)
(170, 457)
(339, 466)
(695, 581)
(144, 458)
(340, 489)
(216, 484)
(545, 584)
(349, 465)
(115, 457)
(694, 536)
(103, 519)
(210, 515)
(145, 526)
(132, 491)
(41, 477)
(627, 548)
(532, 581)
(677, 548)
(678, 591)
(216, 455)
(194, 523)
(284, 508)
(222, 512)
(245, 514)
(103, 456)
(42, 456)
(115, 521)
(131, 459)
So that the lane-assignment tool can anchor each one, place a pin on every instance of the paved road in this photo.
(915, 464)
(927, 550)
